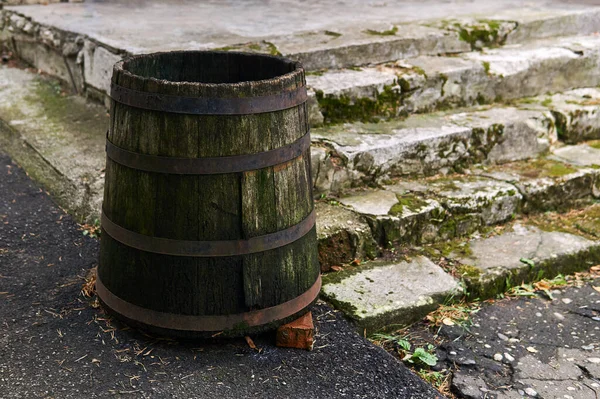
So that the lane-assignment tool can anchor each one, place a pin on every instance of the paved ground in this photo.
(132, 25)
(54, 344)
(528, 347)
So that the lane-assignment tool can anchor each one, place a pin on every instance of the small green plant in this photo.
(423, 357)
(402, 342)
(420, 357)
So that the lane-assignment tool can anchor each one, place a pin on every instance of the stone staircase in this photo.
(458, 156)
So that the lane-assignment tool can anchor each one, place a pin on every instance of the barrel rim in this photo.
(280, 83)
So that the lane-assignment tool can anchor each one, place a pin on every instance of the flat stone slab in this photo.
(523, 255)
(382, 294)
(490, 200)
(425, 83)
(239, 22)
(583, 154)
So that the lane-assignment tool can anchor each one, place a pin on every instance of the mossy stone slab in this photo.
(523, 255)
(385, 294)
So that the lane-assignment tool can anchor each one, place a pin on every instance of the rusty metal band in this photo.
(208, 106)
(167, 246)
(173, 321)
(209, 165)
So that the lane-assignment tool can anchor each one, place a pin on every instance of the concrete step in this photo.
(79, 43)
(58, 139)
(357, 154)
(391, 294)
(428, 83)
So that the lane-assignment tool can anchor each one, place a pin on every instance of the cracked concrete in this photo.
(525, 347)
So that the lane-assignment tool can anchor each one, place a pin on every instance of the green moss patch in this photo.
(253, 47)
(594, 144)
(407, 202)
(484, 33)
(468, 271)
(540, 168)
(584, 222)
(390, 32)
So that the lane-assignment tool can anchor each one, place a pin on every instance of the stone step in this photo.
(523, 254)
(79, 43)
(357, 154)
(417, 212)
(576, 113)
(58, 139)
(372, 153)
(382, 294)
(427, 83)
(391, 294)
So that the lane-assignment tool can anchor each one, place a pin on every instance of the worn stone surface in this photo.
(548, 185)
(546, 23)
(496, 262)
(583, 154)
(426, 83)
(381, 294)
(321, 35)
(486, 201)
(510, 134)
(468, 386)
(426, 144)
(98, 65)
(365, 82)
(398, 217)
(465, 203)
(550, 66)
(343, 236)
(58, 139)
(575, 112)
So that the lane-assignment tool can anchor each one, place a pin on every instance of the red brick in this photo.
(297, 334)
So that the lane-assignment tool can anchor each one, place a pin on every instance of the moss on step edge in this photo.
(494, 283)
(339, 109)
(407, 201)
(485, 33)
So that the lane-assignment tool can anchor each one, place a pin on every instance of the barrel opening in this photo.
(212, 67)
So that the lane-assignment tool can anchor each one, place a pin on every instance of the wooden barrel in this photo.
(208, 223)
